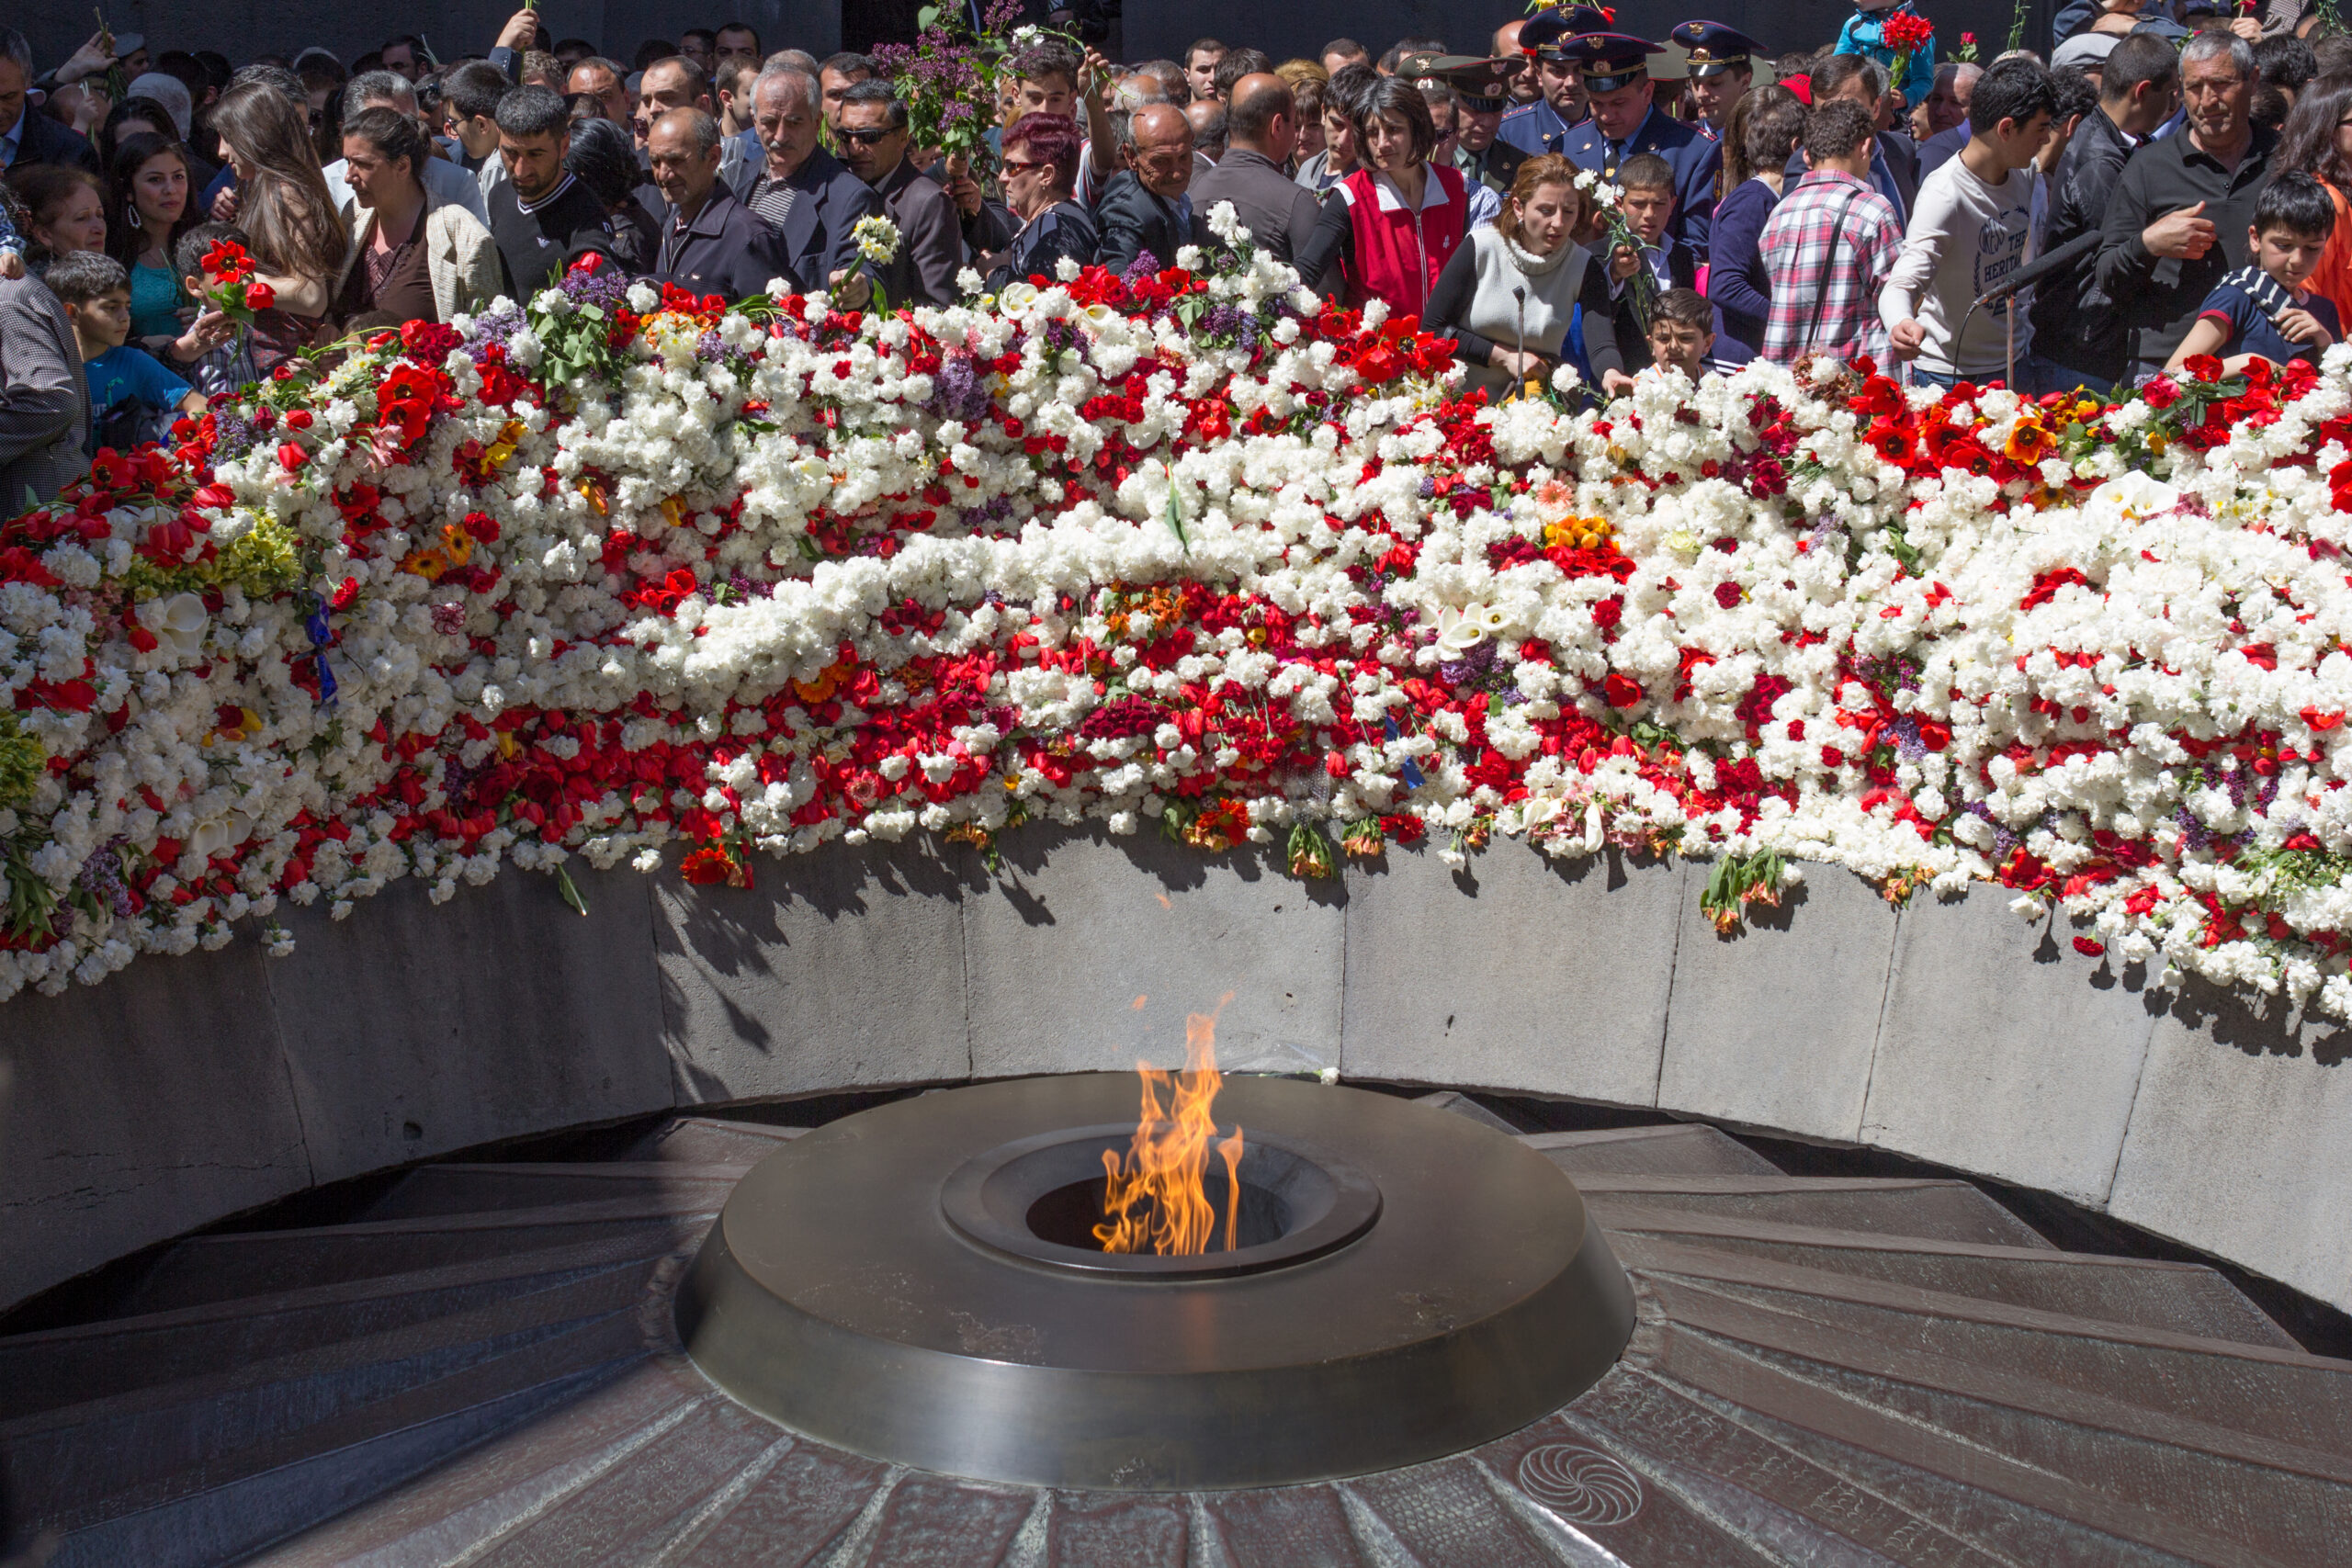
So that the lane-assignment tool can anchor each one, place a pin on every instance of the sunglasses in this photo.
(1016, 167)
(866, 138)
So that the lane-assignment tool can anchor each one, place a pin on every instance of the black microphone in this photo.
(2042, 267)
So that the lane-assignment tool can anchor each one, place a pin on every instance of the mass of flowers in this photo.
(640, 578)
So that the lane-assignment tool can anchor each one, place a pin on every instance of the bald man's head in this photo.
(1163, 150)
(1262, 116)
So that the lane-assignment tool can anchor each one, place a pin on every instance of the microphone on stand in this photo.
(2033, 272)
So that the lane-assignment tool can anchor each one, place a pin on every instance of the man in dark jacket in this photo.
(710, 242)
(872, 131)
(797, 189)
(2078, 339)
(1148, 206)
(541, 215)
(1262, 129)
(2177, 224)
(29, 138)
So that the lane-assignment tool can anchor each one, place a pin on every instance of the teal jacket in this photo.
(1861, 34)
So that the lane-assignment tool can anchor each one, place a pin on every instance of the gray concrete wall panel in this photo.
(1090, 952)
(1775, 1027)
(1514, 972)
(139, 1109)
(188, 1089)
(2006, 1052)
(412, 1028)
(835, 969)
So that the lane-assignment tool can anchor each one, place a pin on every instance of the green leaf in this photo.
(927, 17)
(571, 893)
(1176, 516)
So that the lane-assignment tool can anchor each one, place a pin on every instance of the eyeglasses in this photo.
(866, 138)
(1016, 167)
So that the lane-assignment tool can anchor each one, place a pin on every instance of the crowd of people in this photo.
(2171, 182)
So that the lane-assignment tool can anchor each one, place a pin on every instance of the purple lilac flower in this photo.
(493, 327)
(958, 392)
(1907, 744)
(710, 347)
(1224, 320)
(2192, 830)
(1476, 661)
(101, 877)
(607, 288)
(1143, 270)
(748, 588)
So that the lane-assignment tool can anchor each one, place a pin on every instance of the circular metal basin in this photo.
(914, 1283)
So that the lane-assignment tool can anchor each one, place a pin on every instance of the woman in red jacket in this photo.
(1388, 229)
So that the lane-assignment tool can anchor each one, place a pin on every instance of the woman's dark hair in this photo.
(601, 158)
(326, 136)
(296, 231)
(393, 134)
(43, 189)
(2307, 141)
(138, 114)
(125, 237)
(1767, 125)
(1392, 94)
(1051, 139)
(2299, 204)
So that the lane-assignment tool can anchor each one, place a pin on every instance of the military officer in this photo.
(1481, 92)
(1540, 126)
(1722, 68)
(1625, 121)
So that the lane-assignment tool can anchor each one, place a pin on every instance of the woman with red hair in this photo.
(1040, 171)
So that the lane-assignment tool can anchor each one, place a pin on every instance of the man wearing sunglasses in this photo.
(874, 138)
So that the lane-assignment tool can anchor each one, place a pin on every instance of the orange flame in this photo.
(1154, 1199)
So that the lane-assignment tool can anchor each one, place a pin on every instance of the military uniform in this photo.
(1480, 88)
(1614, 61)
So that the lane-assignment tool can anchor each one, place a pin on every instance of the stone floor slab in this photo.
(1514, 972)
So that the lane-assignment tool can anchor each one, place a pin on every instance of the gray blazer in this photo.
(44, 396)
(816, 232)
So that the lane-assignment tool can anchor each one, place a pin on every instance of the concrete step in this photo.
(1947, 1210)
(2283, 1395)
(711, 1140)
(459, 1188)
(1689, 1149)
(2195, 1487)
(93, 1360)
(502, 1482)
(261, 1263)
(2185, 1298)
(54, 1460)
(221, 1509)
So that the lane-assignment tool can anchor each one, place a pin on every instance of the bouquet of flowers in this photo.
(234, 291)
(1906, 33)
(877, 239)
(1620, 234)
(949, 76)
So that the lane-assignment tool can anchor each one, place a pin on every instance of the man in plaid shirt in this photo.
(1829, 246)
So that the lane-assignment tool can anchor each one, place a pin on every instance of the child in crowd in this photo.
(132, 398)
(1969, 229)
(229, 364)
(1682, 333)
(1648, 204)
(2264, 311)
(1865, 34)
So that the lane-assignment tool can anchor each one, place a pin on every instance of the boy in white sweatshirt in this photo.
(1970, 230)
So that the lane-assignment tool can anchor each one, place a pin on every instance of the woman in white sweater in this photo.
(1508, 294)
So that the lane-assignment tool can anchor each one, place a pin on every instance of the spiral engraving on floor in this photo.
(1582, 1485)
